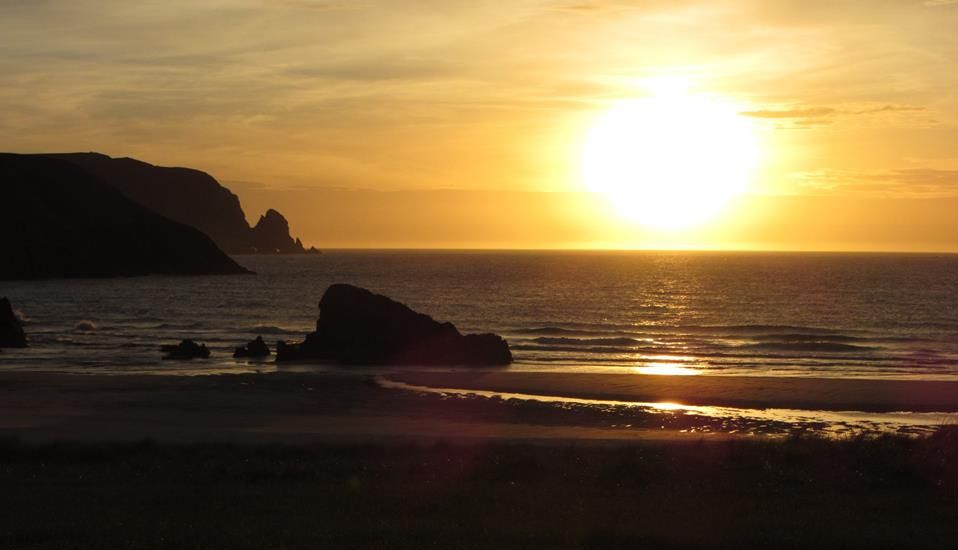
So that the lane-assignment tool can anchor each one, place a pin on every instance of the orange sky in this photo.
(461, 123)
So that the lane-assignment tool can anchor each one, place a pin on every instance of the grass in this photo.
(802, 492)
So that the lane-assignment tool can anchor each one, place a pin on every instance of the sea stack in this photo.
(359, 327)
(11, 333)
(270, 235)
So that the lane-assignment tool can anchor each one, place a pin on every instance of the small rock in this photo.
(256, 348)
(187, 349)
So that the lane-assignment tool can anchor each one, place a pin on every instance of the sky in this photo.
(460, 124)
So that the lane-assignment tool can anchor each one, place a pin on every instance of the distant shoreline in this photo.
(401, 249)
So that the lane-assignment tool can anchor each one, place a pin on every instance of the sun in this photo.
(671, 160)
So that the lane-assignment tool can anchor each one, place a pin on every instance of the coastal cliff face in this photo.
(58, 220)
(190, 197)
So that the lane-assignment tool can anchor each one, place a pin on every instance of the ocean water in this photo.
(819, 315)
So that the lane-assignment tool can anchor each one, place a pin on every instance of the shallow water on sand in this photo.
(817, 315)
(768, 421)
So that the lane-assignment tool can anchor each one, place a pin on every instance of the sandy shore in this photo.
(724, 391)
(298, 408)
(284, 408)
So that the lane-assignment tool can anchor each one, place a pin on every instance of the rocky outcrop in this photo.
(254, 349)
(11, 332)
(58, 220)
(356, 326)
(270, 235)
(190, 197)
(185, 350)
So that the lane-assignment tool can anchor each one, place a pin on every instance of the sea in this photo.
(824, 315)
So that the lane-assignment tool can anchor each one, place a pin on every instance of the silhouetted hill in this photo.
(58, 220)
(192, 197)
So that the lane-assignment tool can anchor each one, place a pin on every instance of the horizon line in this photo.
(612, 249)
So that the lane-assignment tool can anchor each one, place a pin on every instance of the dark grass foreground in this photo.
(887, 492)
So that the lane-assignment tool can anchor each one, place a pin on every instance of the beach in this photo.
(811, 415)
(286, 408)
(753, 392)
(337, 407)
(289, 460)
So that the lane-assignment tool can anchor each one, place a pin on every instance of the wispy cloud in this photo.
(809, 117)
(315, 5)
(372, 92)
(903, 182)
(802, 113)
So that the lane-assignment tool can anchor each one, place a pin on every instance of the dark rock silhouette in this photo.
(186, 349)
(270, 235)
(358, 327)
(255, 348)
(193, 198)
(57, 220)
(11, 333)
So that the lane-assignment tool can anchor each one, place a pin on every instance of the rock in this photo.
(57, 220)
(270, 235)
(188, 196)
(187, 349)
(11, 333)
(358, 327)
(256, 348)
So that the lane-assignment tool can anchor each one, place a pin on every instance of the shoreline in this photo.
(287, 408)
(747, 392)
(329, 407)
(298, 460)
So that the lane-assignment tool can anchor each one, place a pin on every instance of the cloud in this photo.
(591, 7)
(807, 117)
(802, 113)
(905, 182)
(323, 6)
(373, 92)
(885, 109)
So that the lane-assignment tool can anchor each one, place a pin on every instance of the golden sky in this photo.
(461, 123)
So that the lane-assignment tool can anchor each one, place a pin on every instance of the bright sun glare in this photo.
(671, 160)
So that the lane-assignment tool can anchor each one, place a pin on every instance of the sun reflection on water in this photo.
(666, 369)
(667, 406)
(835, 423)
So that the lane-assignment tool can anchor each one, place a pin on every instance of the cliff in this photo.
(58, 220)
(191, 197)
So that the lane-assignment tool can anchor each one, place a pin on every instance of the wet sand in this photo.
(292, 409)
(721, 391)
(296, 408)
